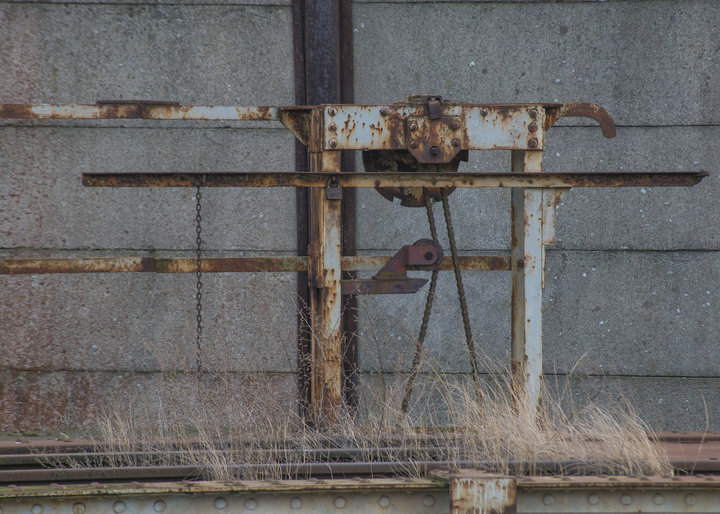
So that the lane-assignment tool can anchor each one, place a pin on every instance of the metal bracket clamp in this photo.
(422, 255)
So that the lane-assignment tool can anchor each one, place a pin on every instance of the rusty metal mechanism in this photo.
(424, 255)
(425, 136)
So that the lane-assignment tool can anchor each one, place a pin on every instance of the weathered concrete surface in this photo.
(146, 322)
(47, 206)
(77, 400)
(206, 55)
(632, 313)
(663, 403)
(648, 63)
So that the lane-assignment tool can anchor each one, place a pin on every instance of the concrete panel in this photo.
(146, 322)
(46, 205)
(648, 63)
(632, 313)
(663, 403)
(77, 401)
(208, 55)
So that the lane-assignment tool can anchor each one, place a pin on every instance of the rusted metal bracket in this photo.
(425, 255)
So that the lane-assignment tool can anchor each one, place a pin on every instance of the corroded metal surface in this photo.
(473, 180)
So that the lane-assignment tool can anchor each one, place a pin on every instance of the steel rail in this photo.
(221, 264)
(325, 179)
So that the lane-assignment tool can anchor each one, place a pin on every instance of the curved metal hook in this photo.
(582, 110)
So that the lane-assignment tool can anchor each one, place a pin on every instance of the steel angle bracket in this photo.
(424, 255)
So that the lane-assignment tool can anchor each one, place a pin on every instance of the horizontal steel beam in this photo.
(309, 179)
(221, 264)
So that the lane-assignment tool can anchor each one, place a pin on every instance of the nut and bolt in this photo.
(332, 127)
(333, 143)
(413, 144)
(434, 151)
(533, 143)
(384, 111)
(413, 127)
(455, 124)
(332, 111)
(532, 127)
(533, 113)
(456, 142)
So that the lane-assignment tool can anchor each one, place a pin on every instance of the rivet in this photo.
(429, 500)
(691, 499)
(483, 112)
(413, 144)
(332, 111)
(384, 502)
(119, 507)
(626, 499)
(220, 503)
(548, 499)
(434, 151)
(250, 504)
(340, 502)
(413, 127)
(532, 127)
(455, 124)
(296, 503)
(333, 143)
(533, 143)
(384, 111)
(533, 113)
(593, 499)
(78, 508)
(456, 142)
(332, 127)
(159, 506)
(658, 499)
(37, 509)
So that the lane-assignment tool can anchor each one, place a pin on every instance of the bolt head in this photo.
(333, 143)
(455, 124)
(533, 127)
(484, 112)
(384, 111)
(533, 113)
(533, 143)
(456, 142)
(434, 151)
(413, 127)
(413, 144)
(332, 111)
(332, 127)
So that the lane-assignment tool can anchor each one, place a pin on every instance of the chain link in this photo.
(198, 274)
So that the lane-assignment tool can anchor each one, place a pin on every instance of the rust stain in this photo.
(15, 111)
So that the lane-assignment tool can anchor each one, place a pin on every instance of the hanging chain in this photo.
(461, 293)
(415, 367)
(198, 274)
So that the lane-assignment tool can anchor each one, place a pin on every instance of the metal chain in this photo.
(415, 367)
(198, 274)
(461, 293)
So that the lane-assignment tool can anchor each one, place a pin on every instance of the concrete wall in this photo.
(633, 288)
(632, 283)
(73, 343)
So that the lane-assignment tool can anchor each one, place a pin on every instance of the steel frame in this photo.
(434, 132)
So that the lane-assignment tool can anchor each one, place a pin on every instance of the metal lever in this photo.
(425, 255)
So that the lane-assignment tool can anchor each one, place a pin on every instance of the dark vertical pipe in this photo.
(324, 74)
(347, 95)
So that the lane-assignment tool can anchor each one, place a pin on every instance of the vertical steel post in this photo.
(324, 252)
(527, 282)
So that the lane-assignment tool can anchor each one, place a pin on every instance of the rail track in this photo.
(67, 476)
